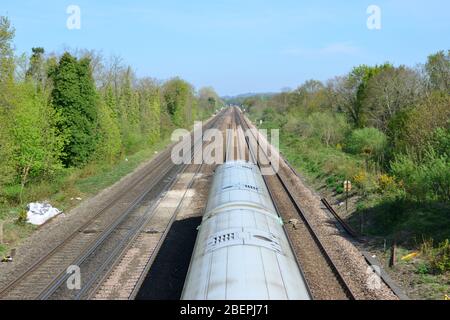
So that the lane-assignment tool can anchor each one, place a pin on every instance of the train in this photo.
(242, 251)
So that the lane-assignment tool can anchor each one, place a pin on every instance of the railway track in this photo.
(44, 278)
(141, 244)
(141, 253)
(287, 189)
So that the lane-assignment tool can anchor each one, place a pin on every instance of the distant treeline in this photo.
(65, 111)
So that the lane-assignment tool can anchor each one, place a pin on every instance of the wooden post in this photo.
(361, 216)
(346, 201)
(393, 258)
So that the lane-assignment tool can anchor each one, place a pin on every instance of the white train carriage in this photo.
(242, 251)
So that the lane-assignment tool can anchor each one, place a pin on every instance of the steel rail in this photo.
(305, 219)
(63, 276)
(159, 162)
(253, 159)
(150, 261)
(344, 224)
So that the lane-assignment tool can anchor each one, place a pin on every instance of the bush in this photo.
(441, 259)
(435, 175)
(367, 141)
(12, 193)
(386, 183)
(438, 257)
(360, 178)
(423, 268)
(110, 144)
(441, 140)
(423, 122)
(330, 129)
(365, 182)
(428, 179)
(22, 217)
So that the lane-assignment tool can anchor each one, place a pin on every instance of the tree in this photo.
(208, 101)
(37, 70)
(388, 92)
(438, 69)
(329, 128)
(342, 95)
(6, 95)
(179, 101)
(352, 90)
(129, 114)
(74, 96)
(430, 114)
(6, 51)
(150, 110)
(37, 145)
(110, 141)
(369, 142)
(309, 97)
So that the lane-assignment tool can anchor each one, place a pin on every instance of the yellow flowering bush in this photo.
(360, 178)
(386, 182)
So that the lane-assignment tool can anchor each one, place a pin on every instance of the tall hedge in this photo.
(74, 95)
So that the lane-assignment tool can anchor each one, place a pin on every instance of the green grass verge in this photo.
(63, 190)
(386, 212)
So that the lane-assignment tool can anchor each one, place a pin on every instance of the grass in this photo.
(63, 190)
(3, 250)
(106, 175)
(388, 215)
(415, 276)
(404, 220)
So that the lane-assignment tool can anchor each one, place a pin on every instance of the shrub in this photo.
(423, 268)
(386, 183)
(428, 179)
(110, 140)
(441, 140)
(440, 261)
(347, 169)
(360, 178)
(409, 176)
(12, 193)
(328, 128)
(438, 258)
(435, 175)
(424, 121)
(365, 182)
(367, 141)
(22, 217)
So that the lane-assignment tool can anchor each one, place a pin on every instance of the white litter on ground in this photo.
(38, 212)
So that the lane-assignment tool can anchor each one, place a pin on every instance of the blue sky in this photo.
(238, 46)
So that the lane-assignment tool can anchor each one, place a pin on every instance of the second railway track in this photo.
(45, 277)
(323, 276)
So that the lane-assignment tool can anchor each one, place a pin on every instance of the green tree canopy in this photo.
(74, 96)
(438, 69)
